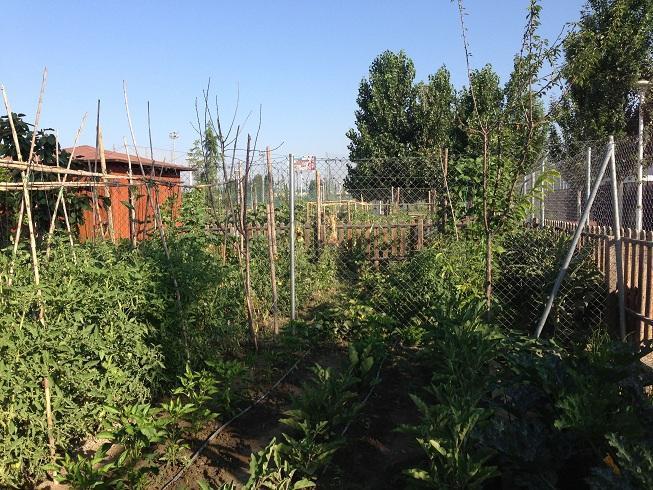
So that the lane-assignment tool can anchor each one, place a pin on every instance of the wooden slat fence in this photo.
(637, 254)
(381, 242)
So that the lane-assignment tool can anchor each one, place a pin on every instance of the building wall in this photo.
(167, 195)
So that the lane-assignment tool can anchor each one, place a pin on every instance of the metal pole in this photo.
(588, 174)
(640, 163)
(542, 196)
(617, 245)
(291, 171)
(532, 198)
(574, 241)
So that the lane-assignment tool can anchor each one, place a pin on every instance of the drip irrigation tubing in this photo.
(220, 429)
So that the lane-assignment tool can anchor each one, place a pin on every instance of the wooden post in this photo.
(107, 191)
(318, 210)
(420, 233)
(272, 234)
(132, 198)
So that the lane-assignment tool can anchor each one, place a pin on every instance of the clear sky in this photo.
(302, 60)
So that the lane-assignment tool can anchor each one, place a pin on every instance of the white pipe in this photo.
(617, 245)
(574, 242)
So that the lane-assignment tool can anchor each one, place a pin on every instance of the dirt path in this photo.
(374, 457)
(226, 458)
(376, 453)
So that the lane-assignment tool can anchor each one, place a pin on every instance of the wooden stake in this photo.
(272, 238)
(65, 210)
(132, 198)
(48, 416)
(318, 211)
(107, 192)
(245, 244)
(157, 218)
(60, 194)
(19, 225)
(27, 208)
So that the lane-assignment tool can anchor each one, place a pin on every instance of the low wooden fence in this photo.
(380, 242)
(637, 260)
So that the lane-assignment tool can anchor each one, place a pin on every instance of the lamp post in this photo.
(641, 85)
(173, 135)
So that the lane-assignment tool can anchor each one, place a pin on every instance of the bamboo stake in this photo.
(65, 210)
(97, 217)
(49, 169)
(271, 241)
(22, 202)
(148, 202)
(27, 208)
(318, 211)
(245, 242)
(107, 192)
(61, 186)
(157, 218)
(48, 416)
(132, 199)
(445, 168)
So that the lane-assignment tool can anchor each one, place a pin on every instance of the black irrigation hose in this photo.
(367, 397)
(215, 433)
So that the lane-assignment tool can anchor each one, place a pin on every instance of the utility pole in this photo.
(173, 135)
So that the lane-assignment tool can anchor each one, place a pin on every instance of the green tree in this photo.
(386, 104)
(400, 126)
(45, 152)
(611, 48)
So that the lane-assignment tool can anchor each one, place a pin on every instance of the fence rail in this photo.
(379, 241)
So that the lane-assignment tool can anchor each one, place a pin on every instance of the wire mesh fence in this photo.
(376, 227)
(610, 258)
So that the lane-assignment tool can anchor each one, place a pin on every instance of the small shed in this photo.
(167, 193)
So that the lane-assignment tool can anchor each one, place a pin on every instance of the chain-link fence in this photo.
(611, 258)
(401, 233)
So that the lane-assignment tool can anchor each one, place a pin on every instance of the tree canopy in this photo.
(609, 51)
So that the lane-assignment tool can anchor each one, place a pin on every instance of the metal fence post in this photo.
(639, 210)
(291, 204)
(617, 244)
(532, 191)
(542, 195)
(574, 241)
(588, 176)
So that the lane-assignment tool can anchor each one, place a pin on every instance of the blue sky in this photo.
(301, 60)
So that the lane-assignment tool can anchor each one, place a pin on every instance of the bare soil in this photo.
(373, 458)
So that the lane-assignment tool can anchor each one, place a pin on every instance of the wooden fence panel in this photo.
(637, 261)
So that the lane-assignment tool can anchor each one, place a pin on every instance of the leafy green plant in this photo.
(312, 449)
(83, 472)
(633, 468)
(269, 469)
(446, 436)
(460, 356)
(197, 388)
(227, 374)
(328, 396)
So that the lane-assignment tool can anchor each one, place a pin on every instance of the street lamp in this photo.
(173, 135)
(641, 85)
